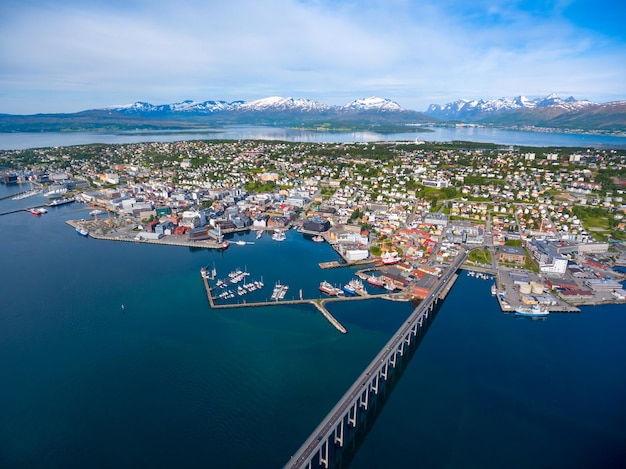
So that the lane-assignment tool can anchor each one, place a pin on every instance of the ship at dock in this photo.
(376, 281)
(327, 288)
(355, 287)
(535, 311)
(57, 202)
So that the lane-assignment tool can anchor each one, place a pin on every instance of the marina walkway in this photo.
(317, 303)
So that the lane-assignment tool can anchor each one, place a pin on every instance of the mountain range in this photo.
(372, 113)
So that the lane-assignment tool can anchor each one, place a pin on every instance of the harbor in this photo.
(319, 304)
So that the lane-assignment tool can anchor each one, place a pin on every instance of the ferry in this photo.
(327, 288)
(57, 202)
(533, 311)
(82, 231)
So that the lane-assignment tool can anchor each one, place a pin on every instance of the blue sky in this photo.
(67, 56)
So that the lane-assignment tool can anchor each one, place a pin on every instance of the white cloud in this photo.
(92, 56)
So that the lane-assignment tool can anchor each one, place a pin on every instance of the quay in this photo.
(333, 433)
(166, 241)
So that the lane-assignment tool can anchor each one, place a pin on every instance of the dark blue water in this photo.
(169, 382)
(22, 140)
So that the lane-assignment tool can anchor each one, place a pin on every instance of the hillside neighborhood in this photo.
(549, 222)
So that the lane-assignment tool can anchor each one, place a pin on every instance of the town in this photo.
(545, 225)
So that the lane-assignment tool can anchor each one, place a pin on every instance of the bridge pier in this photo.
(365, 402)
(323, 454)
(374, 383)
(384, 369)
(339, 436)
(352, 414)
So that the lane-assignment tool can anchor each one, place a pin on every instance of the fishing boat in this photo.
(375, 281)
(327, 288)
(533, 311)
(355, 287)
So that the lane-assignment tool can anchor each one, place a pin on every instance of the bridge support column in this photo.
(401, 349)
(365, 402)
(407, 338)
(392, 359)
(383, 370)
(374, 383)
(352, 414)
(324, 454)
(339, 433)
(414, 330)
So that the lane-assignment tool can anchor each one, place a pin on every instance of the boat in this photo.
(355, 287)
(96, 212)
(327, 288)
(493, 290)
(533, 311)
(279, 291)
(82, 231)
(375, 281)
(240, 243)
(26, 194)
(318, 239)
(279, 235)
(225, 244)
(57, 202)
(389, 258)
(38, 211)
(259, 234)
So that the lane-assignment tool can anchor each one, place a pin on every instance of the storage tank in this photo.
(525, 288)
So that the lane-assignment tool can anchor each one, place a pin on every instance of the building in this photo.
(550, 261)
(316, 224)
(511, 255)
(435, 218)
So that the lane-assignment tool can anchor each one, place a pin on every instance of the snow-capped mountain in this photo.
(277, 103)
(464, 109)
(270, 104)
(373, 104)
(187, 106)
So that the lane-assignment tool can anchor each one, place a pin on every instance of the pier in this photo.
(319, 304)
(333, 433)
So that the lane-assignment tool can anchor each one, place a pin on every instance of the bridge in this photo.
(332, 433)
